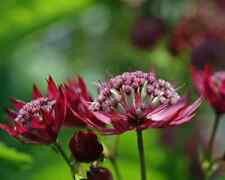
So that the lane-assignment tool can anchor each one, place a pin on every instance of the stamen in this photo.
(33, 109)
(122, 90)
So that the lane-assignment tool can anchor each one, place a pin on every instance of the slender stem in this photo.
(213, 135)
(113, 159)
(116, 168)
(141, 155)
(66, 159)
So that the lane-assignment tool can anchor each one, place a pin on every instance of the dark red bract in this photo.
(76, 92)
(85, 146)
(40, 120)
(99, 173)
(147, 31)
(136, 101)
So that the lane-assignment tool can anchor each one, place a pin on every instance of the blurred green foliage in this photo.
(11, 154)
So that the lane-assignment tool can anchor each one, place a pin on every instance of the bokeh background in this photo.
(94, 38)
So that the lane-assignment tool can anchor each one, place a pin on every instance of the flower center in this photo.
(34, 109)
(122, 92)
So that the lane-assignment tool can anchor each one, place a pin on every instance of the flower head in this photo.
(211, 85)
(99, 173)
(85, 146)
(138, 100)
(208, 72)
(147, 31)
(39, 120)
(195, 29)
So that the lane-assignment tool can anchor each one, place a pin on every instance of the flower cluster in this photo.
(139, 100)
(131, 101)
(212, 86)
(40, 120)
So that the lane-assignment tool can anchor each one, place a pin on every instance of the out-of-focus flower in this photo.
(211, 52)
(76, 91)
(40, 120)
(99, 173)
(187, 34)
(208, 63)
(193, 30)
(147, 31)
(85, 146)
(212, 86)
(138, 100)
(221, 4)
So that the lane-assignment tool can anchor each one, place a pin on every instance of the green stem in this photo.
(213, 136)
(116, 168)
(141, 155)
(113, 159)
(210, 147)
(60, 150)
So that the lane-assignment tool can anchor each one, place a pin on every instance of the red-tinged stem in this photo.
(141, 155)
(60, 150)
(213, 136)
(210, 147)
(113, 159)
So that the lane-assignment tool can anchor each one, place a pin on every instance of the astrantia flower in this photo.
(208, 63)
(39, 120)
(187, 34)
(211, 85)
(99, 173)
(138, 100)
(147, 31)
(193, 30)
(76, 91)
(85, 146)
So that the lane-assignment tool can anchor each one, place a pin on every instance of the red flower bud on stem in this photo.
(85, 146)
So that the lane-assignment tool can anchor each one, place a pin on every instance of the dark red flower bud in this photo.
(99, 173)
(147, 31)
(85, 146)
